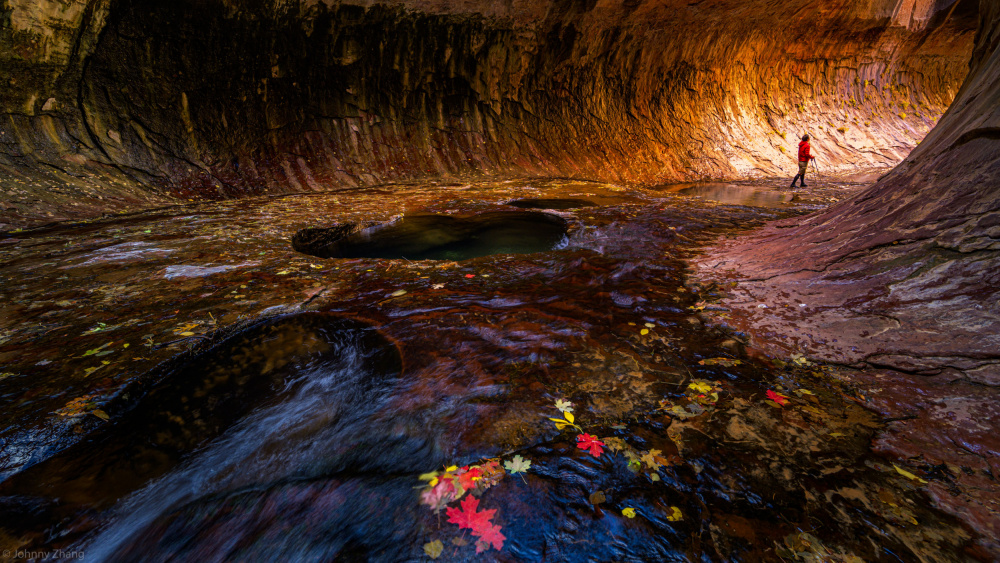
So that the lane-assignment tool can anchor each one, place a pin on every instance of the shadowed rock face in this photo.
(118, 106)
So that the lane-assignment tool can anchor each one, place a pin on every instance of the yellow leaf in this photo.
(907, 474)
(428, 476)
(125, 345)
(700, 387)
(433, 549)
(569, 417)
(675, 514)
(451, 468)
(100, 414)
(644, 331)
(187, 333)
(283, 273)
(628, 512)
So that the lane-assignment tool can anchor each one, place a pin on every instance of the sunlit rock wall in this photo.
(114, 107)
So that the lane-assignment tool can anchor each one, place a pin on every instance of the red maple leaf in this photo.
(490, 535)
(780, 399)
(588, 442)
(469, 478)
(467, 517)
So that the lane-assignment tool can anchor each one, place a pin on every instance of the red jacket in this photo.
(804, 155)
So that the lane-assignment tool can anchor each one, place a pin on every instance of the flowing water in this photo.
(265, 404)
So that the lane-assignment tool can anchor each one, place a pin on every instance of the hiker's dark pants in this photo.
(803, 164)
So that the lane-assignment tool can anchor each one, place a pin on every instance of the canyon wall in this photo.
(112, 105)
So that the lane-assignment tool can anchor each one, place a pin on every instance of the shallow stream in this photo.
(185, 385)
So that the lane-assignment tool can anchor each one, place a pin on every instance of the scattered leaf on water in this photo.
(564, 406)
(100, 414)
(628, 512)
(675, 514)
(398, 292)
(598, 497)
(433, 549)
(644, 331)
(460, 542)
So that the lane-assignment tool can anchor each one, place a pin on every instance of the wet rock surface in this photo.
(131, 104)
(718, 451)
(902, 280)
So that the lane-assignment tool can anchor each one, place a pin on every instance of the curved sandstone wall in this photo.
(126, 103)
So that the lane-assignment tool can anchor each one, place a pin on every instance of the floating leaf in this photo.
(517, 465)
(470, 275)
(101, 414)
(628, 512)
(398, 292)
(489, 536)
(598, 497)
(433, 549)
(644, 331)
(654, 477)
(460, 542)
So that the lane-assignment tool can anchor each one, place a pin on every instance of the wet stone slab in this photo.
(708, 449)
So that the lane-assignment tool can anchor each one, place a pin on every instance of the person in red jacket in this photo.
(804, 157)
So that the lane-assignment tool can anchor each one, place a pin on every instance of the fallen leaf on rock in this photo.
(777, 398)
(725, 362)
(433, 549)
(517, 465)
(563, 423)
(907, 474)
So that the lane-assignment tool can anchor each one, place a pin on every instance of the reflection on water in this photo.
(439, 237)
(732, 194)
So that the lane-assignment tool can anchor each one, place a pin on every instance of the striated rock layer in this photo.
(118, 105)
(903, 279)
